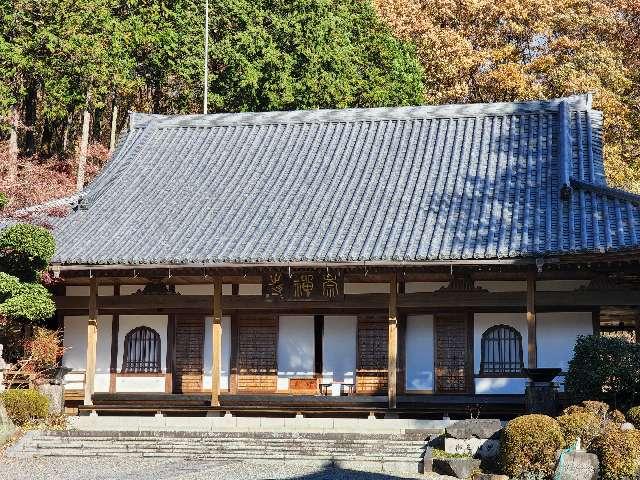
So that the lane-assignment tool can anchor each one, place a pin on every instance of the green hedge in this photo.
(24, 406)
(605, 369)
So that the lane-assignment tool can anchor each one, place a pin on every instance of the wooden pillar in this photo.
(531, 320)
(393, 342)
(92, 343)
(115, 328)
(636, 325)
(216, 352)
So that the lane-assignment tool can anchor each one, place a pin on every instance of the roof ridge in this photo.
(575, 102)
(606, 190)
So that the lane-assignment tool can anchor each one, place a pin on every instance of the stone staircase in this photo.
(373, 451)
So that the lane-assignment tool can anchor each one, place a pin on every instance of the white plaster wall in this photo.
(339, 348)
(483, 321)
(419, 352)
(357, 288)
(225, 360)
(75, 353)
(415, 287)
(295, 348)
(83, 290)
(557, 333)
(140, 384)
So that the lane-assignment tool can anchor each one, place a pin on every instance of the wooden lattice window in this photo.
(501, 351)
(141, 351)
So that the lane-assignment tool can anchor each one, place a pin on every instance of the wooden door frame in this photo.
(236, 317)
(470, 362)
(171, 350)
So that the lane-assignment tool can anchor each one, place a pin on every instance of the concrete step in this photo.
(392, 452)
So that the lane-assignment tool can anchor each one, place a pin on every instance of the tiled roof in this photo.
(408, 184)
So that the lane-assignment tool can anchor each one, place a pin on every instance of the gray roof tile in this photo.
(392, 184)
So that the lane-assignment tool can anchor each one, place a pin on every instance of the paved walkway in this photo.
(127, 468)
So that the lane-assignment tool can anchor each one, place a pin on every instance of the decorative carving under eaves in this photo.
(157, 288)
(461, 284)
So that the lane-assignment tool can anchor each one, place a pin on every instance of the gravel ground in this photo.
(129, 468)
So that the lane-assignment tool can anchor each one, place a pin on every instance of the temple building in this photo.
(406, 261)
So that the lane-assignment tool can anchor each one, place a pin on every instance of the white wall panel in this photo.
(75, 350)
(295, 348)
(419, 352)
(339, 348)
(557, 333)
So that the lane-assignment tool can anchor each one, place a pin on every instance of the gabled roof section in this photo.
(388, 185)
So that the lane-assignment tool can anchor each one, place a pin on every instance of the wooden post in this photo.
(84, 143)
(216, 342)
(531, 320)
(393, 341)
(115, 328)
(92, 342)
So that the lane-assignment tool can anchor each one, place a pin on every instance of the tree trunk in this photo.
(30, 117)
(84, 143)
(114, 125)
(65, 135)
(12, 172)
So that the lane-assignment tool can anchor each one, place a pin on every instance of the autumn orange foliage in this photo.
(40, 180)
(488, 51)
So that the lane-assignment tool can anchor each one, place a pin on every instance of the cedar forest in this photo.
(64, 61)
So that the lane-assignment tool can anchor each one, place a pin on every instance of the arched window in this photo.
(501, 351)
(141, 351)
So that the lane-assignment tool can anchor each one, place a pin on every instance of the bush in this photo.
(24, 406)
(633, 416)
(583, 425)
(619, 454)
(25, 250)
(600, 410)
(24, 301)
(4, 200)
(528, 445)
(605, 369)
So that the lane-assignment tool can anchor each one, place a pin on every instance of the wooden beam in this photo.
(423, 301)
(531, 320)
(595, 320)
(216, 342)
(92, 343)
(393, 342)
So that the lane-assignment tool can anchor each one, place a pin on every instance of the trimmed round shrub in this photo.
(4, 200)
(583, 425)
(24, 406)
(619, 453)
(26, 250)
(528, 445)
(633, 416)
